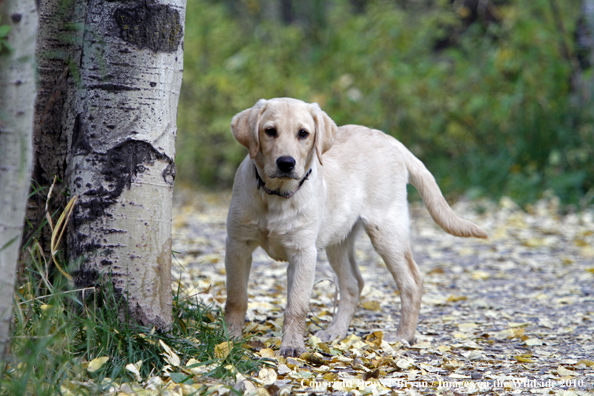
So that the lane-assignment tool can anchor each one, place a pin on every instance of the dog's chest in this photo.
(271, 242)
(279, 233)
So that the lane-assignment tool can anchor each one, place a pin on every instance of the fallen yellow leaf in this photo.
(588, 363)
(480, 275)
(565, 372)
(436, 271)
(387, 348)
(453, 298)
(580, 242)
(467, 326)
(169, 355)
(375, 339)
(135, 369)
(567, 260)
(459, 376)
(313, 341)
(371, 305)
(262, 392)
(451, 364)
(313, 358)
(515, 332)
(222, 350)
(533, 342)
(525, 358)
(404, 364)
(266, 353)
(534, 242)
(351, 341)
(324, 347)
(97, 363)
(254, 345)
(330, 377)
(267, 376)
(515, 324)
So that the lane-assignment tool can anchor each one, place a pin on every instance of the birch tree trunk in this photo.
(108, 114)
(17, 96)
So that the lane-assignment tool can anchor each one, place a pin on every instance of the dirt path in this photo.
(512, 315)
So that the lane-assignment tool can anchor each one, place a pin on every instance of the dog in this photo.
(309, 185)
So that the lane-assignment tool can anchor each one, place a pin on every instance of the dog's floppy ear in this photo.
(326, 130)
(245, 126)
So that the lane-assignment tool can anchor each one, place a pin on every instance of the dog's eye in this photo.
(270, 131)
(303, 134)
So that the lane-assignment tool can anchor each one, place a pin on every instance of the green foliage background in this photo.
(492, 113)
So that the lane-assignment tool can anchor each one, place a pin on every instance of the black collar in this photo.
(287, 194)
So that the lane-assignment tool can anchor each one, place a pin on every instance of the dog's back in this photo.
(358, 155)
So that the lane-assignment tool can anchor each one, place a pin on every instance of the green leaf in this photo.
(180, 378)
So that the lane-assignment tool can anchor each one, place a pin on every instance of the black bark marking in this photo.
(157, 27)
(119, 167)
(79, 247)
(113, 87)
(85, 277)
(169, 173)
(80, 144)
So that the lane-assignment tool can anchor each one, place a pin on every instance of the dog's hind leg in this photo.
(350, 284)
(238, 263)
(390, 239)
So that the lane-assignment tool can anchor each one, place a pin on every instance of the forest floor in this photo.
(510, 315)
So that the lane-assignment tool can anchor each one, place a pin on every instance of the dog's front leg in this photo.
(238, 263)
(300, 280)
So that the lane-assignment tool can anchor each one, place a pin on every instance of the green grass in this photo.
(57, 331)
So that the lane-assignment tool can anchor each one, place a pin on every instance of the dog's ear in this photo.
(326, 130)
(245, 127)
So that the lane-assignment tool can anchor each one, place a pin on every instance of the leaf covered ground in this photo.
(511, 315)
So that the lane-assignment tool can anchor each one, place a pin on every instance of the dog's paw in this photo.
(392, 338)
(292, 346)
(406, 338)
(403, 341)
(234, 331)
(292, 351)
(329, 335)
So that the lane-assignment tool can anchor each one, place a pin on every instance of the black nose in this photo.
(285, 163)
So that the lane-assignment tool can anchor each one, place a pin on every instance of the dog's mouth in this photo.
(285, 176)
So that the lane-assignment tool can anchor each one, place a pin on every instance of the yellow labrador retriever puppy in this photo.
(308, 185)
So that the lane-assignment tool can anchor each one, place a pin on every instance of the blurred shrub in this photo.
(492, 112)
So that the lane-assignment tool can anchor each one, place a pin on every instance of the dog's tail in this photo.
(436, 204)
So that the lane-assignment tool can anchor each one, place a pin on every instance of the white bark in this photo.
(17, 96)
(122, 149)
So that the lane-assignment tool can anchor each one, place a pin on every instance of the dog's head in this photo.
(282, 135)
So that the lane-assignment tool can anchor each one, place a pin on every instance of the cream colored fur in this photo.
(361, 185)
